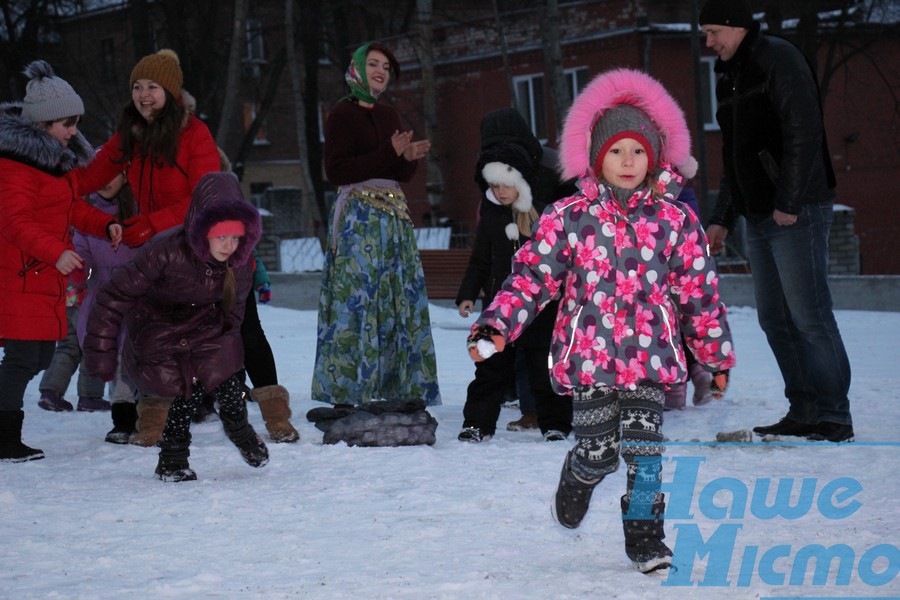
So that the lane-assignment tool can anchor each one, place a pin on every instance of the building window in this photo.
(107, 59)
(708, 93)
(250, 109)
(576, 79)
(530, 102)
(255, 55)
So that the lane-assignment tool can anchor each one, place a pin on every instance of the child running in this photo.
(633, 271)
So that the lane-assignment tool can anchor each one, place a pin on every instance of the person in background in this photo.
(374, 330)
(67, 356)
(164, 150)
(633, 272)
(182, 301)
(116, 200)
(504, 172)
(40, 153)
(778, 177)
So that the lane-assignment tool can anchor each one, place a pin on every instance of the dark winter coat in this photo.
(774, 148)
(169, 298)
(161, 191)
(38, 206)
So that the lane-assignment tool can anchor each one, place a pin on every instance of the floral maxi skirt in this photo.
(374, 332)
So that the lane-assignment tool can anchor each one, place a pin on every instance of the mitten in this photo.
(138, 230)
(484, 342)
(719, 384)
(265, 293)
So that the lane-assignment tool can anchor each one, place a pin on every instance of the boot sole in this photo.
(20, 459)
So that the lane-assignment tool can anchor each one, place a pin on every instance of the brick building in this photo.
(862, 117)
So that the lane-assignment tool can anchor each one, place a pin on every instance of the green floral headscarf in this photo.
(356, 76)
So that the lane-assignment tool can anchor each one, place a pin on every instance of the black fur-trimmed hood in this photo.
(28, 143)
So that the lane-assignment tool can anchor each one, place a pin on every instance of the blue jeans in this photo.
(790, 279)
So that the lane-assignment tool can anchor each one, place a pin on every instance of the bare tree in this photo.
(308, 207)
(434, 185)
(504, 52)
(560, 95)
(233, 76)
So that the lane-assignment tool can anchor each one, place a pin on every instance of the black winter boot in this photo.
(573, 496)
(644, 536)
(124, 417)
(11, 447)
(241, 433)
(173, 460)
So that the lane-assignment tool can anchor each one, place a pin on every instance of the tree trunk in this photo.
(233, 77)
(434, 184)
(504, 53)
(560, 95)
(308, 206)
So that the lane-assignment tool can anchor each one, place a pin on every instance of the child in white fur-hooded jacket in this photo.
(633, 271)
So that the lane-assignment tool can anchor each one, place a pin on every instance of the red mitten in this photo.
(484, 342)
(138, 230)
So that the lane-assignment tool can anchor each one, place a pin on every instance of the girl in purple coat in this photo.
(181, 300)
(633, 271)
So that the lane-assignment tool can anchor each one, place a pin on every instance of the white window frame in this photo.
(537, 123)
(707, 64)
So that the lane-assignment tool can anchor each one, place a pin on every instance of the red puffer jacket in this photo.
(163, 192)
(39, 205)
(169, 299)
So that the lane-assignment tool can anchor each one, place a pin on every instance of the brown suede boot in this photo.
(273, 403)
(152, 412)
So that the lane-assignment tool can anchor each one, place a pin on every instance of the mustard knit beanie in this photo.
(163, 68)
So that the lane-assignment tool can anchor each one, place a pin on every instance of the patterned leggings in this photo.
(603, 420)
(229, 395)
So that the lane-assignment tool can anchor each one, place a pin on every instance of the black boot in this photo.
(644, 535)
(241, 433)
(573, 496)
(173, 460)
(124, 417)
(11, 447)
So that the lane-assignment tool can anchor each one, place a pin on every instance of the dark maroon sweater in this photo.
(358, 144)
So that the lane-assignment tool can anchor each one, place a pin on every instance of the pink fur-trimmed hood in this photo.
(625, 86)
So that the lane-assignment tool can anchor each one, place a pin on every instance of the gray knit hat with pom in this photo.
(48, 97)
(624, 121)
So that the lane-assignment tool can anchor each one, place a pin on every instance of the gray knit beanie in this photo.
(48, 97)
(623, 121)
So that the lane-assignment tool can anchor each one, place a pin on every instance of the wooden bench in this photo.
(444, 270)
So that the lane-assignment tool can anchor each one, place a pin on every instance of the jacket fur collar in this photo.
(28, 143)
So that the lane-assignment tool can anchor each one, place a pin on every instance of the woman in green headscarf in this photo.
(374, 333)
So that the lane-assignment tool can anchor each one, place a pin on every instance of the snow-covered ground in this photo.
(458, 520)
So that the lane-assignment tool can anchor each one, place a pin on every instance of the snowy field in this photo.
(456, 520)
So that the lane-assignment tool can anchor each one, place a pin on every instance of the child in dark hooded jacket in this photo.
(181, 301)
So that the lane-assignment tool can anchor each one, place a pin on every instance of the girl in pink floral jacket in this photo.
(633, 271)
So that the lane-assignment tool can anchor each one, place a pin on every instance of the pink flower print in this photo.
(690, 288)
(621, 330)
(583, 344)
(642, 322)
(657, 296)
(608, 304)
(671, 213)
(588, 187)
(622, 240)
(626, 286)
(547, 230)
(704, 322)
(628, 374)
(690, 249)
(586, 378)
(586, 252)
(560, 375)
(506, 303)
(644, 231)
(526, 285)
(669, 375)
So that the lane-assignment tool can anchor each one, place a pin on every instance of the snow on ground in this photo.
(457, 520)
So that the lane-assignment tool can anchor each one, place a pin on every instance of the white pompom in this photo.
(486, 348)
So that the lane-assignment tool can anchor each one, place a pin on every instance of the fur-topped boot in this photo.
(152, 412)
(274, 404)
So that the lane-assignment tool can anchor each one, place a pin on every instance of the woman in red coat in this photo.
(163, 149)
(40, 150)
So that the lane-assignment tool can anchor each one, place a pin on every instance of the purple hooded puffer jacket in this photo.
(169, 299)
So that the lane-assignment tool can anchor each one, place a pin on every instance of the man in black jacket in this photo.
(778, 176)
